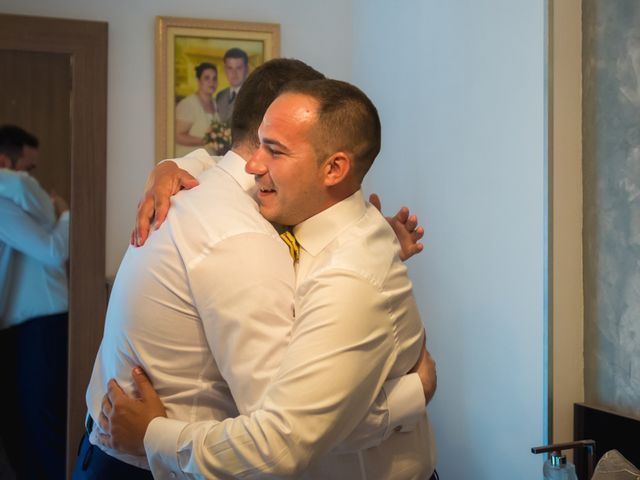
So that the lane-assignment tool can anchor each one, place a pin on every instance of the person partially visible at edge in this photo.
(34, 243)
(195, 112)
(356, 326)
(236, 68)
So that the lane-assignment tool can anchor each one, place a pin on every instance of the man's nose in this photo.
(255, 165)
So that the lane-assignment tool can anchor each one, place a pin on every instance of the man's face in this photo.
(28, 160)
(236, 71)
(289, 179)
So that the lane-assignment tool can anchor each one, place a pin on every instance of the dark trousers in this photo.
(34, 407)
(93, 464)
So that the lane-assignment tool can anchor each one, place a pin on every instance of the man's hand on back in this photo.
(165, 180)
(124, 420)
(406, 229)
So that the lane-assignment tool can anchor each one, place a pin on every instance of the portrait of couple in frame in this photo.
(200, 67)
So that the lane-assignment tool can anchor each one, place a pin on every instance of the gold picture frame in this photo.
(182, 44)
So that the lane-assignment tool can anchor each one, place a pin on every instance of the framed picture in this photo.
(200, 66)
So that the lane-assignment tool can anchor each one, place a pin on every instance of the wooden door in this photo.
(35, 95)
(84, 43)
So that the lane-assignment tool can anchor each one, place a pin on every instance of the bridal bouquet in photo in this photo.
(218, 138)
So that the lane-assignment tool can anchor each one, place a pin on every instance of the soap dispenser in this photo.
(558, 468)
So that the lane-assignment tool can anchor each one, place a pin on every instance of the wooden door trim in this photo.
(86, 42)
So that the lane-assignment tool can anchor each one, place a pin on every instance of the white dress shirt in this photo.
(25, 191)
(205, 307)
(178, 303)
(33, 249)
(400, 403)
(356, 326)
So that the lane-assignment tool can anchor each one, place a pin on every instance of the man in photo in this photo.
(236, 68)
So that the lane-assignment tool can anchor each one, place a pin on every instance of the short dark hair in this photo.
(261, 88)
(13, 139)
(236, 53)
(205, 66)
(348, 121)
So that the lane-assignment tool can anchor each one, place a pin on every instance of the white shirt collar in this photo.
(316, 232)
(234, 165)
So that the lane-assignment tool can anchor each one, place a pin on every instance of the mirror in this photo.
(68, 55)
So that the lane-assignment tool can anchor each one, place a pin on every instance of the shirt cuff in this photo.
(405, 400)
(161, 445)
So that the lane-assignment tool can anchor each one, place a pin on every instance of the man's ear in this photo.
(337, 168)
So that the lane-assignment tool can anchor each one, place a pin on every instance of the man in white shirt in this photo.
(356, 324)
(206, 306)
(34, 234)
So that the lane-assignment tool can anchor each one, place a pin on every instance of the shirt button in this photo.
(172, 474)
(398, 428)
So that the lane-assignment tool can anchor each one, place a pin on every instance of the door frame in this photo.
(86, 43)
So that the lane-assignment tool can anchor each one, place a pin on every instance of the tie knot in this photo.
(294, 248)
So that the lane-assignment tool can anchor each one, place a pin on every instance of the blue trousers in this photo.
(34, 413)
(93, 464)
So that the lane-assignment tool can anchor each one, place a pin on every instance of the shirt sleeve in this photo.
(341, 352)
(195, 162)
(22, 233)
(398, 408)
(25, 191)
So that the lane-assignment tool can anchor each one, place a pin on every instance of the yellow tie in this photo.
(292, 243)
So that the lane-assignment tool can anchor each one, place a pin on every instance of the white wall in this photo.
(460, 89)
(318, 33)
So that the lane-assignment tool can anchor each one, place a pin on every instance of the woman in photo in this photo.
(195, 112)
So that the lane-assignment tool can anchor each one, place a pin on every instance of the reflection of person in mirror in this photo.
(236, 68)
(34, 234)
(195, 112)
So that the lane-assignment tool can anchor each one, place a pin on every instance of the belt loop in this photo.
(88, 424)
